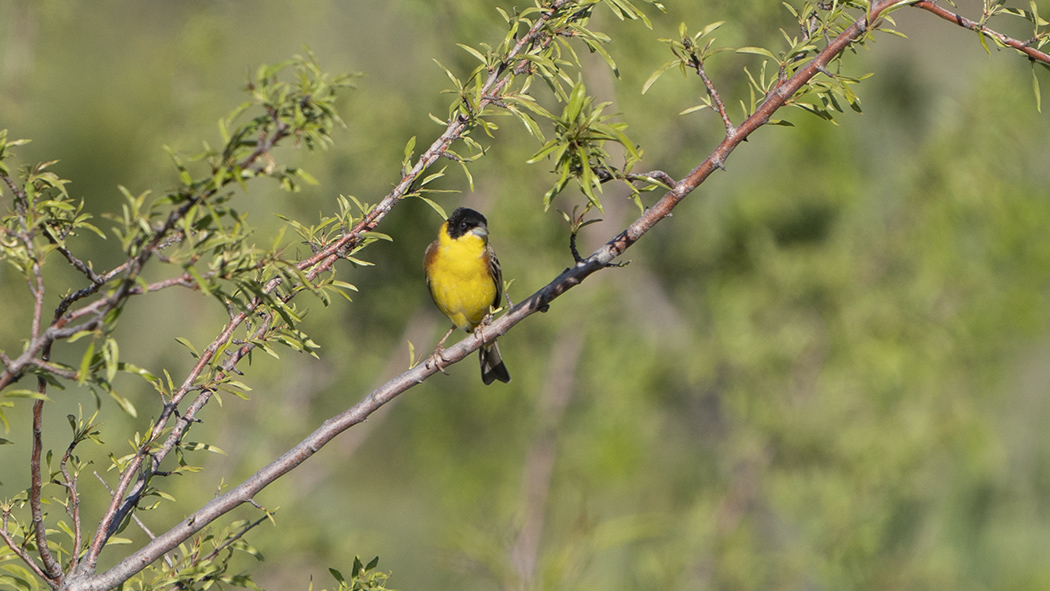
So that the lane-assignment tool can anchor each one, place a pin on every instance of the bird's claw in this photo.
(438, 359)
(487, 320)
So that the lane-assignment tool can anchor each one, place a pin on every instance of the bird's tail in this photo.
(492, 367)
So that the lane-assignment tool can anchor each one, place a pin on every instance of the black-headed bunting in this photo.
(466, 283)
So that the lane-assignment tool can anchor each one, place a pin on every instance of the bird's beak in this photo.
(481, 231)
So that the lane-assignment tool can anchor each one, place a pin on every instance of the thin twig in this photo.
(655, 175)
(78, 264)
(1021, 46)
(73, 507)
(134, 517)
(211, 555)
(713, 92)
(51, 566)
(22, 553)
(53, 369)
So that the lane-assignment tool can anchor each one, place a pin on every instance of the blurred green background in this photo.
(827, 371)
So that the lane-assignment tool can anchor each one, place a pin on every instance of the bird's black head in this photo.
(464, 220)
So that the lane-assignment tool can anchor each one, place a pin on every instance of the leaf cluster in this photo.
(363, 577)
(504, 79)
(818, 23)
(198, 233)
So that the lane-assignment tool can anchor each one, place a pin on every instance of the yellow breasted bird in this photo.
(465, 281)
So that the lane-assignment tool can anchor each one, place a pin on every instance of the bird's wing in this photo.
(497, 275)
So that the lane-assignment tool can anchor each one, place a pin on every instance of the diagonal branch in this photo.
(1021, 46)
(717, 98)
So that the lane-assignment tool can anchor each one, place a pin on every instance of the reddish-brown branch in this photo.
(51, 566)
(717, 98)
(962, 21)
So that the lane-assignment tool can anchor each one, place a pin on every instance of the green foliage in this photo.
(581, 130)
(794, 391)
(578, 149)
(196, 229)
(204, 561)
(363, 577)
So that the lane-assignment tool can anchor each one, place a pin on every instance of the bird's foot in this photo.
(437, 359)
(487, 320)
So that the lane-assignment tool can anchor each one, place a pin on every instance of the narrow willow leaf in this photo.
(757, 51)
(656, 75)
(1035, 89)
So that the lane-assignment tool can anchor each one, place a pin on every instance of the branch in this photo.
(78, 264)
(21, 552)
(1021, 46)
(655, 176)
(74, 503)
(713, 92)
(125, 497)
(539, 301)
(167, 559)
(54, 570)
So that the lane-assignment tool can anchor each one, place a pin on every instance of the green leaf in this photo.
(23, 393)
(758, 51)
(199, 280)
(1035, 89)
(124, 404)
(984, 42)
(709, 29)
(198, 446)
(85, 364)
(656, 75)
(188, 345)
(694, 109)
(473, 52)
(409, 148)
(433, 204)
(576, 102)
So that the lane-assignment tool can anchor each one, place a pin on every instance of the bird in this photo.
(466, 283)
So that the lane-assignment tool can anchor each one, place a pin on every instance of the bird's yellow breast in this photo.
(460, 279)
